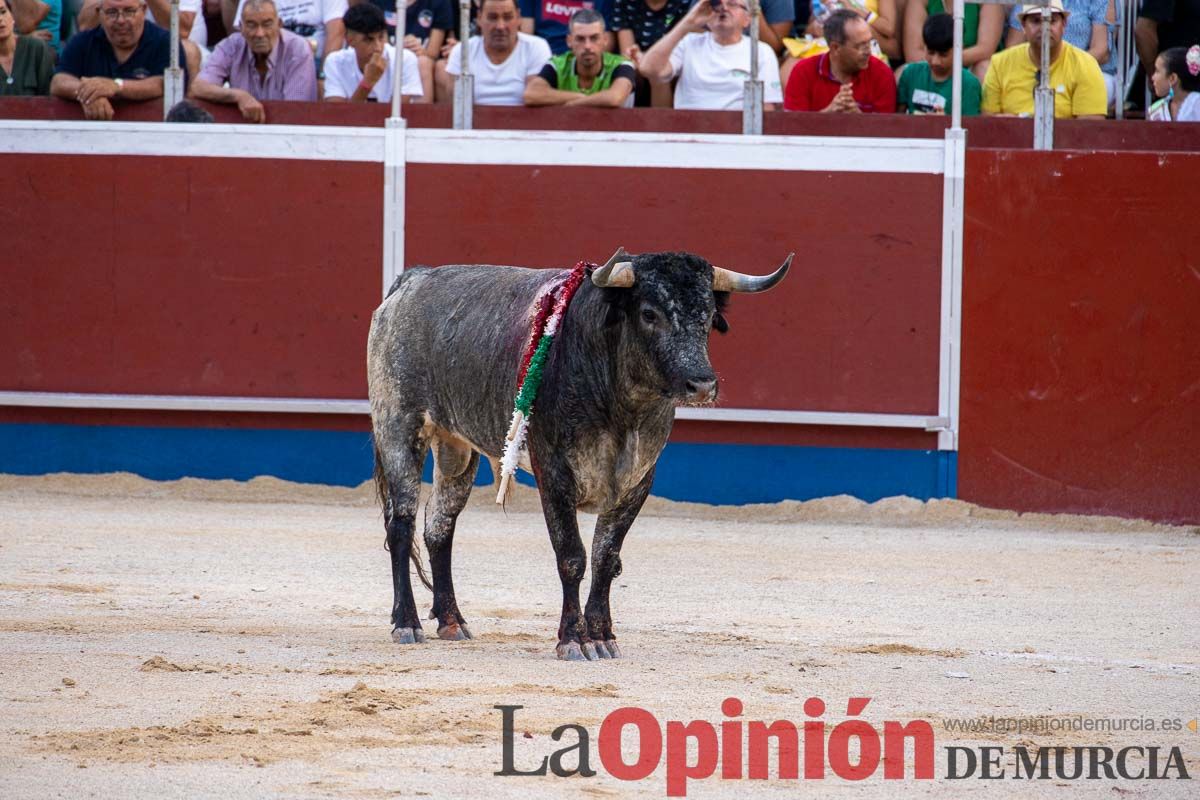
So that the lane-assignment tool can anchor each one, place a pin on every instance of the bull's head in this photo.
(668, 303)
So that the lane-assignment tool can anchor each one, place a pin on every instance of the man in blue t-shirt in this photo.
(549, 19)
(124, 58)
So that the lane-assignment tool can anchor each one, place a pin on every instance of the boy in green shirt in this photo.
(925, 86)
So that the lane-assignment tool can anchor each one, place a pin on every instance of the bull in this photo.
(442, 360)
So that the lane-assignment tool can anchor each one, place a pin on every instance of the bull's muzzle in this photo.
(700, 392)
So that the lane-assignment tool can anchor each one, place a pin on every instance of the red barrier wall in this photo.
(189, 276)
(267, 287)
(1081, 355)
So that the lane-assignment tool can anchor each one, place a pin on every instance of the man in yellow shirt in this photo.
(1075, 77)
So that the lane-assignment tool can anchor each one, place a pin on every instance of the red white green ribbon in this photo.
(548, 311)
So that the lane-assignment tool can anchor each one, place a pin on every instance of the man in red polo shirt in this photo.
(846, 79)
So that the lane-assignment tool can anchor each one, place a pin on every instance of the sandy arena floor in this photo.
(214, 639)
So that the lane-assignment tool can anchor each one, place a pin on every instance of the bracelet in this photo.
(366, 87)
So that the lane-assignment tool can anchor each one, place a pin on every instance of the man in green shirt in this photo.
(585, 75)
(925, 86)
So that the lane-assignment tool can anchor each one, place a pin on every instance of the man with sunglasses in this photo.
(1075, 76)
(123, 59)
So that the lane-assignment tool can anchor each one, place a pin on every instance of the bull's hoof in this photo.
(574, 651)
(408, 635)
(607, 649)
(454, 632)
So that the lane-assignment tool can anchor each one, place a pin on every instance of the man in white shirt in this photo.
(316, 20)
(503, 60)
(711, 56)
(363, 71)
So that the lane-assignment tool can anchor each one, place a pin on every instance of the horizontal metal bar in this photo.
(313, 405)
(510, 147)
(676, 151)
(854, 419)
(298, 142)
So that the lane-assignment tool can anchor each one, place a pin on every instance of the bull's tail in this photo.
(385, 500)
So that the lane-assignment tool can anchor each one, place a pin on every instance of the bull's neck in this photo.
(606, 367)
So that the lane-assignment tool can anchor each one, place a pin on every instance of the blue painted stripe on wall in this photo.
(711, 473)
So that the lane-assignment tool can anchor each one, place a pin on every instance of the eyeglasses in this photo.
(114, 14)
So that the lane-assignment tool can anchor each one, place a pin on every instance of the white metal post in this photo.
(957, 66)
(752, 100)
(464, 84)
(398, 67)
(394, 158)
(950, 350)
(1043, 107)
(1121, 55)
(953, 185)
(173, 89)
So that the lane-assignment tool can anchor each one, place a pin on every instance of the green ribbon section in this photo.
(533, 377)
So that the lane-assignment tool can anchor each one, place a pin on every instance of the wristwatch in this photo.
(120, 83)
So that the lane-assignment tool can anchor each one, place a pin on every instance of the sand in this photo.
(224, 639)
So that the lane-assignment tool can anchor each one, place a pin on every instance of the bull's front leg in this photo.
(558, 506)
(611, 528)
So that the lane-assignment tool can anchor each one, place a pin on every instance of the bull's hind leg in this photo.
(399, 457)
(611, 528)
(454, 474)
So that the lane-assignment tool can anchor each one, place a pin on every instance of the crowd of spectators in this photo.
(831, 56)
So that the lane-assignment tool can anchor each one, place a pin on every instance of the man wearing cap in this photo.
(1075, 76)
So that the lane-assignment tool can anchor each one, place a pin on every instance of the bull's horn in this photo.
(726, 280)
(616, 273)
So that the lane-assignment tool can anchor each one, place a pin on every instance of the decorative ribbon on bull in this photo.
(549, 310)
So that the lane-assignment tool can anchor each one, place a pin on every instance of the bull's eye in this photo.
(649, 316)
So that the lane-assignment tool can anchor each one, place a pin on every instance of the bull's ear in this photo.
(721, 302)
(614, 306)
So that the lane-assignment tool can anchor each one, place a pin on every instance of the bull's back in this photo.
(447, 342)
